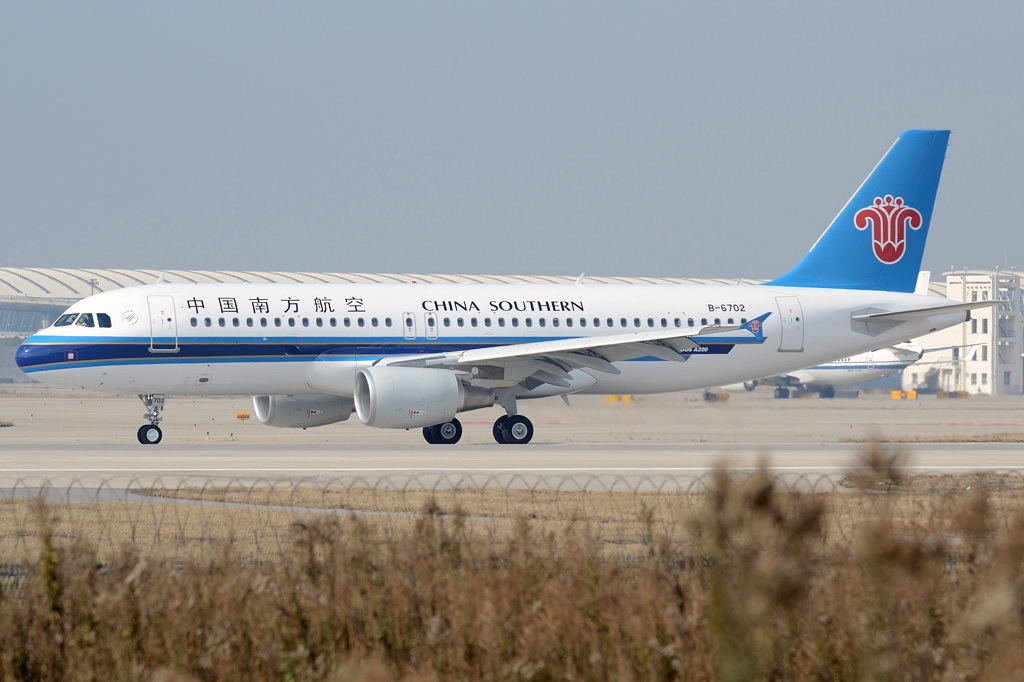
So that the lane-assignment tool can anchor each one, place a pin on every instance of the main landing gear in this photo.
(150, 434)
(514, 429)
(443, 434)
(507, 430)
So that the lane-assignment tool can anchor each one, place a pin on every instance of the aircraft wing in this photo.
(551, 361)
(797, 378)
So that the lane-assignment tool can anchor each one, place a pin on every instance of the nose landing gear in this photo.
(151, 434)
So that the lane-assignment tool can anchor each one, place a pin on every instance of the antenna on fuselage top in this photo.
(160, 279)
(579, 280)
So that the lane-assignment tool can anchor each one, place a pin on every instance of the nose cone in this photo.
(32, 356)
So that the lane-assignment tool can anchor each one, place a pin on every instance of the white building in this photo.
(983, 355)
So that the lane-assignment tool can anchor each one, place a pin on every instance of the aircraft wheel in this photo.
(150, 434)
(828, 392)
(448, 433)
(517, 430)
(499, 424)
(428, 435)
(781, 392)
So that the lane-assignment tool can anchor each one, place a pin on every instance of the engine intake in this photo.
(302, 411)
(409, 397)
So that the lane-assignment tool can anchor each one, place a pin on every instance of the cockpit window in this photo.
(65, 320)
(103, 319)
(84, 320)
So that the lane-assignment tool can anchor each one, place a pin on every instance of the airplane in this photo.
(855, 369)
(413, 356)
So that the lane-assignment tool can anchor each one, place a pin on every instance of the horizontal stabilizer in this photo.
(906, 315)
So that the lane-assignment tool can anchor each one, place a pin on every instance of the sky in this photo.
(665, 139)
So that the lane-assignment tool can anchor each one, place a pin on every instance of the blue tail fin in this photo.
(877, 240)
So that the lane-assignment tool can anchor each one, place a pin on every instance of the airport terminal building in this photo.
(982, 356)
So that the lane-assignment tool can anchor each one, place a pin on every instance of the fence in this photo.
(182, 518)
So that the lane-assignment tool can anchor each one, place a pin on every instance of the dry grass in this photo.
(891, 579)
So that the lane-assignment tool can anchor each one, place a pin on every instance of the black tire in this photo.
(447, 433)
(828, 392)
(150, 434)
(428, 435)
(517, 430)
(499, 424)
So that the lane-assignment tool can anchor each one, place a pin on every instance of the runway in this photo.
(67, 438)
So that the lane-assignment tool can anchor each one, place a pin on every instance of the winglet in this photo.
(756, 326)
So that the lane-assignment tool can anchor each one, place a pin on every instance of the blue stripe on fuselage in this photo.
(61, 352)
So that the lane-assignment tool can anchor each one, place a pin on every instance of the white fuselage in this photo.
(257, 339)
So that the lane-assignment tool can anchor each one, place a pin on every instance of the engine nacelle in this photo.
(301, 411)
(409, 397)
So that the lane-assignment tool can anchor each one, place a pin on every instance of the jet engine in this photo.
(301, 411)
(409, 397)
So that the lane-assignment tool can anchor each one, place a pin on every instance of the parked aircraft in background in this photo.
(855, 369)
(415, 355)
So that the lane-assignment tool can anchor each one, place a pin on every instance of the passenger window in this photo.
(487, 322)
(65, 320)
(515, 321)
(554, 322)
(650, 322)
(568, 322)
(291, 321)
(222, 322)
(263, 322)
(277, 321)
(529, 322)
(387, 321)
(622, 322)
(234, 321)
(408, 322)
(664, 322)
(718, 321)
(542, 322)
(334, 322)
(679, 323)
(84, 320)
(374, 322)
(729, 320)
(319, 321)
(103, 320)
(472, 322)
(583, 322)
(361, 321)
(689, 322)
(305, 322)
(501, 321)
(208, 322)
(461, 322)
(248, 322)
(703, 321)
(636, 321)
(195, 322)
(447, 321)
(611, 323)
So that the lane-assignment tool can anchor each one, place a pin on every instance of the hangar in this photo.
(31, 298)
